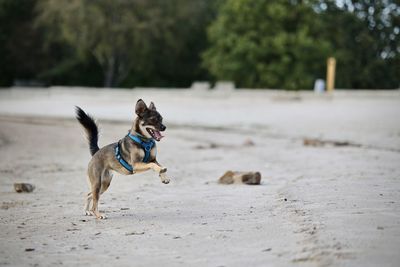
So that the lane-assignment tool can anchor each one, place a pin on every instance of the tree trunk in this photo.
(109, 79)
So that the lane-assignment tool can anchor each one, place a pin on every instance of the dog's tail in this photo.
(92, 132)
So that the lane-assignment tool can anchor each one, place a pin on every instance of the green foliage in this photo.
(255, 43)
(173, 57)
(137, 38)
(112, 31)
(284, 44)
(18, 41)
(24, 57)
(263, 43)
(366, 40)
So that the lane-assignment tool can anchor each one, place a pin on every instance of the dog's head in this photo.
(150, 121)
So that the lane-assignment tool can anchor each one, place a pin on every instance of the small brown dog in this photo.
(134, 153)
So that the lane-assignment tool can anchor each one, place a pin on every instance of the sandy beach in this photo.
(321, 205)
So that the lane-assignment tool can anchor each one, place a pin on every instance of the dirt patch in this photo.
(5, 205)
(319, 143)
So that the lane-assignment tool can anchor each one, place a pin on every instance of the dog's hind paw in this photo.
(100, 216)
(165, 181)
(88, 213)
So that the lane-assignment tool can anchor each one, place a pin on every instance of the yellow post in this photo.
(330, 74)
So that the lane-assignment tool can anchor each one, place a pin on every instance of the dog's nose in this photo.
(162, 128)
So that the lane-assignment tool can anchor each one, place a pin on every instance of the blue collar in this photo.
(146, 145)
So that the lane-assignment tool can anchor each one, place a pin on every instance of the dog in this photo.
(134, 153)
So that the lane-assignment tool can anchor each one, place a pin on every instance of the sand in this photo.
(316, 206)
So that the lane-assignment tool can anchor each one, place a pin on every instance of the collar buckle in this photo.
(148, 147)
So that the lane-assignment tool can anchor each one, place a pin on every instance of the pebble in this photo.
(23, 187)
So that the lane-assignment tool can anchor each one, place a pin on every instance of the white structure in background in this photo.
(223, 89)
(224, 86)
(319, 86)
(200, 86)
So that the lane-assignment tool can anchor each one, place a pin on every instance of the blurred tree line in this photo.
(255, 43)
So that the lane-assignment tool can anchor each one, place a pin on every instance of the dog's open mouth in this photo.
(155, 134)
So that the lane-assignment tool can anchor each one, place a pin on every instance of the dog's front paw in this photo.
(163, 176)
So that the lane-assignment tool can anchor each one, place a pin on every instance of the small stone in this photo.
(23, 187)
(85, 246)
(231, 177)
(208, 146)
(213, 145)
(312, 142)
(248, 142)
(29, 249)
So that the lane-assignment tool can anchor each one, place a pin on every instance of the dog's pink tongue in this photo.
(158, 135)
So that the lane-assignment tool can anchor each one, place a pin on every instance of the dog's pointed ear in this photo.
(140, 107)
(152, 106)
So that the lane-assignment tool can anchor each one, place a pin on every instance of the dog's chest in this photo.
(153, 154)
(140, 155)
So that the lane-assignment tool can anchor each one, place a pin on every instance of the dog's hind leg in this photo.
(95, 182)
(105, 183)
(95, 198)
(87, 204)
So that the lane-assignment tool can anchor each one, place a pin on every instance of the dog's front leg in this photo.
(155, 166)
(162, 173)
